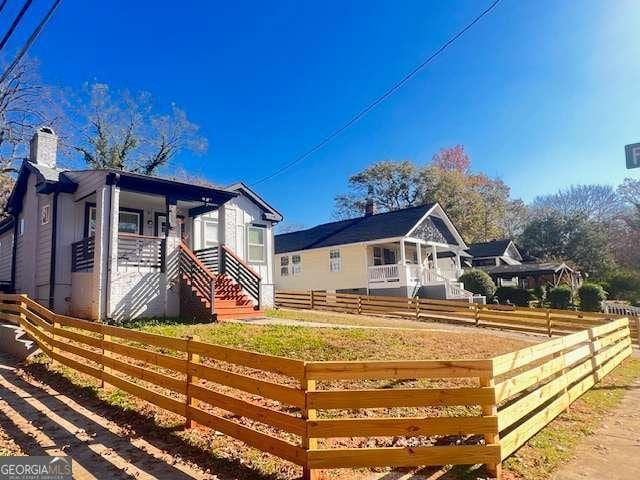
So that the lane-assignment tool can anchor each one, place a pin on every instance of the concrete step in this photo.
(15, 342)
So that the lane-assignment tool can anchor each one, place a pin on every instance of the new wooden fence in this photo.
(443, 411)
(523, 319)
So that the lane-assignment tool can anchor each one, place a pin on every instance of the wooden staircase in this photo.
(207, 296)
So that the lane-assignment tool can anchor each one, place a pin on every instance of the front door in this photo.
(159, 229)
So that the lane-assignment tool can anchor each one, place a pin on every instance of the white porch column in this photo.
(458, 264)
(403, 253)
(106, 247)
(434, 254)
(419, 251)
(171, 275)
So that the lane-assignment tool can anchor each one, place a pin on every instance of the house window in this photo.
(210, 234)
(389, 256)
(256, 243)
(284, 266)
(296, 265)
(377, 256)
(334, 260)
(129, 221)
(44, 215)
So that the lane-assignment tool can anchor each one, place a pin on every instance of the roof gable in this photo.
(270, 213)
(494, 248)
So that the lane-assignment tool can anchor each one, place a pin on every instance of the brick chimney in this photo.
(369, 207)
(43, 147)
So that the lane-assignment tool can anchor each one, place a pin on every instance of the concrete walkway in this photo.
(614, 450)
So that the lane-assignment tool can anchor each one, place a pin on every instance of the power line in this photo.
(14, 24)
(29, 41)
(381, 98)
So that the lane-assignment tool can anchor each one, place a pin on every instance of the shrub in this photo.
(560, 297)
(516, 296)
(478, 282)
(624, 286)
(591, 297)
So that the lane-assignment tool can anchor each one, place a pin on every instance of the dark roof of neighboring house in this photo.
(528, 268)
(494, 248)
(362, 229)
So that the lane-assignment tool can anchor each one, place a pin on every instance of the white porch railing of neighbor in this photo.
(384, 273)
(456, 291)
(618, 308)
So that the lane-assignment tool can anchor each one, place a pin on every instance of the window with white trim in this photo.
(256, 244)
(377, 256)
(284, 266)
(334, 260)
(44, 215)
(296, 265)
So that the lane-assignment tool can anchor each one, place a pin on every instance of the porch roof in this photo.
(532, 269)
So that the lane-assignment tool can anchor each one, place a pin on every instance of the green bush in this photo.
(516, 296)
(478, 282)
(591, 296)
(560, 297)
(624, 285)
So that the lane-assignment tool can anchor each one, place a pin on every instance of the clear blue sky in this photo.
(543, 94)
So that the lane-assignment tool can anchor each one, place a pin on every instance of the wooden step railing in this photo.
(198, 275)
(243, 274)
(210, 257)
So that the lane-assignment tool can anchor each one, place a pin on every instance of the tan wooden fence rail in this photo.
(444, 405)
(535, 320)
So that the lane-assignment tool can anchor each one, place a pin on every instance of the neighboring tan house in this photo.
(507, 266)
(109, 244)
(408, 252)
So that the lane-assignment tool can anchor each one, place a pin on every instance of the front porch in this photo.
(416, 266)
(135, 256)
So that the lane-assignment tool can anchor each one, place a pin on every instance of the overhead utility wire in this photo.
(29, 41)
(14, 24)
(381, 98)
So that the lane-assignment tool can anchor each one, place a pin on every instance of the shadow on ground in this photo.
(43, 422)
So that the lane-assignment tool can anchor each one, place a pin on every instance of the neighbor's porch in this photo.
(407, 262)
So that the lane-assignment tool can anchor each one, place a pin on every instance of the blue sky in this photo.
(543, 94)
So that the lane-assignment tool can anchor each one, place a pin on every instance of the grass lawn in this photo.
(342, 344)
(336, 318)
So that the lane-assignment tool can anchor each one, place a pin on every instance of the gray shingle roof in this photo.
(362, 229)
(494, 248)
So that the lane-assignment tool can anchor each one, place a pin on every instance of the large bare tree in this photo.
(123, 131)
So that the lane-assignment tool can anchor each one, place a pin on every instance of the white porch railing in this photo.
(395, 275)
(384, 273)
(618, 308)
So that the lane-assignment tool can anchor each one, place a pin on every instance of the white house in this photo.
(410, 252)
(108, 244)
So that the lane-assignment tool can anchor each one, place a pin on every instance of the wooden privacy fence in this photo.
(508, 317)
(390, 413)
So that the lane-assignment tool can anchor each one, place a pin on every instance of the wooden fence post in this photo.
(549, 321)
(637, 328)
(312, 300)
(359, 304)
(477, 314)
(308, 414)
(417, 300)
(106, 353)
(191, 379)
(23, 308)
(494, 470)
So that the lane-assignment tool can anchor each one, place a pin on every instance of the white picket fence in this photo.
(618, 308)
